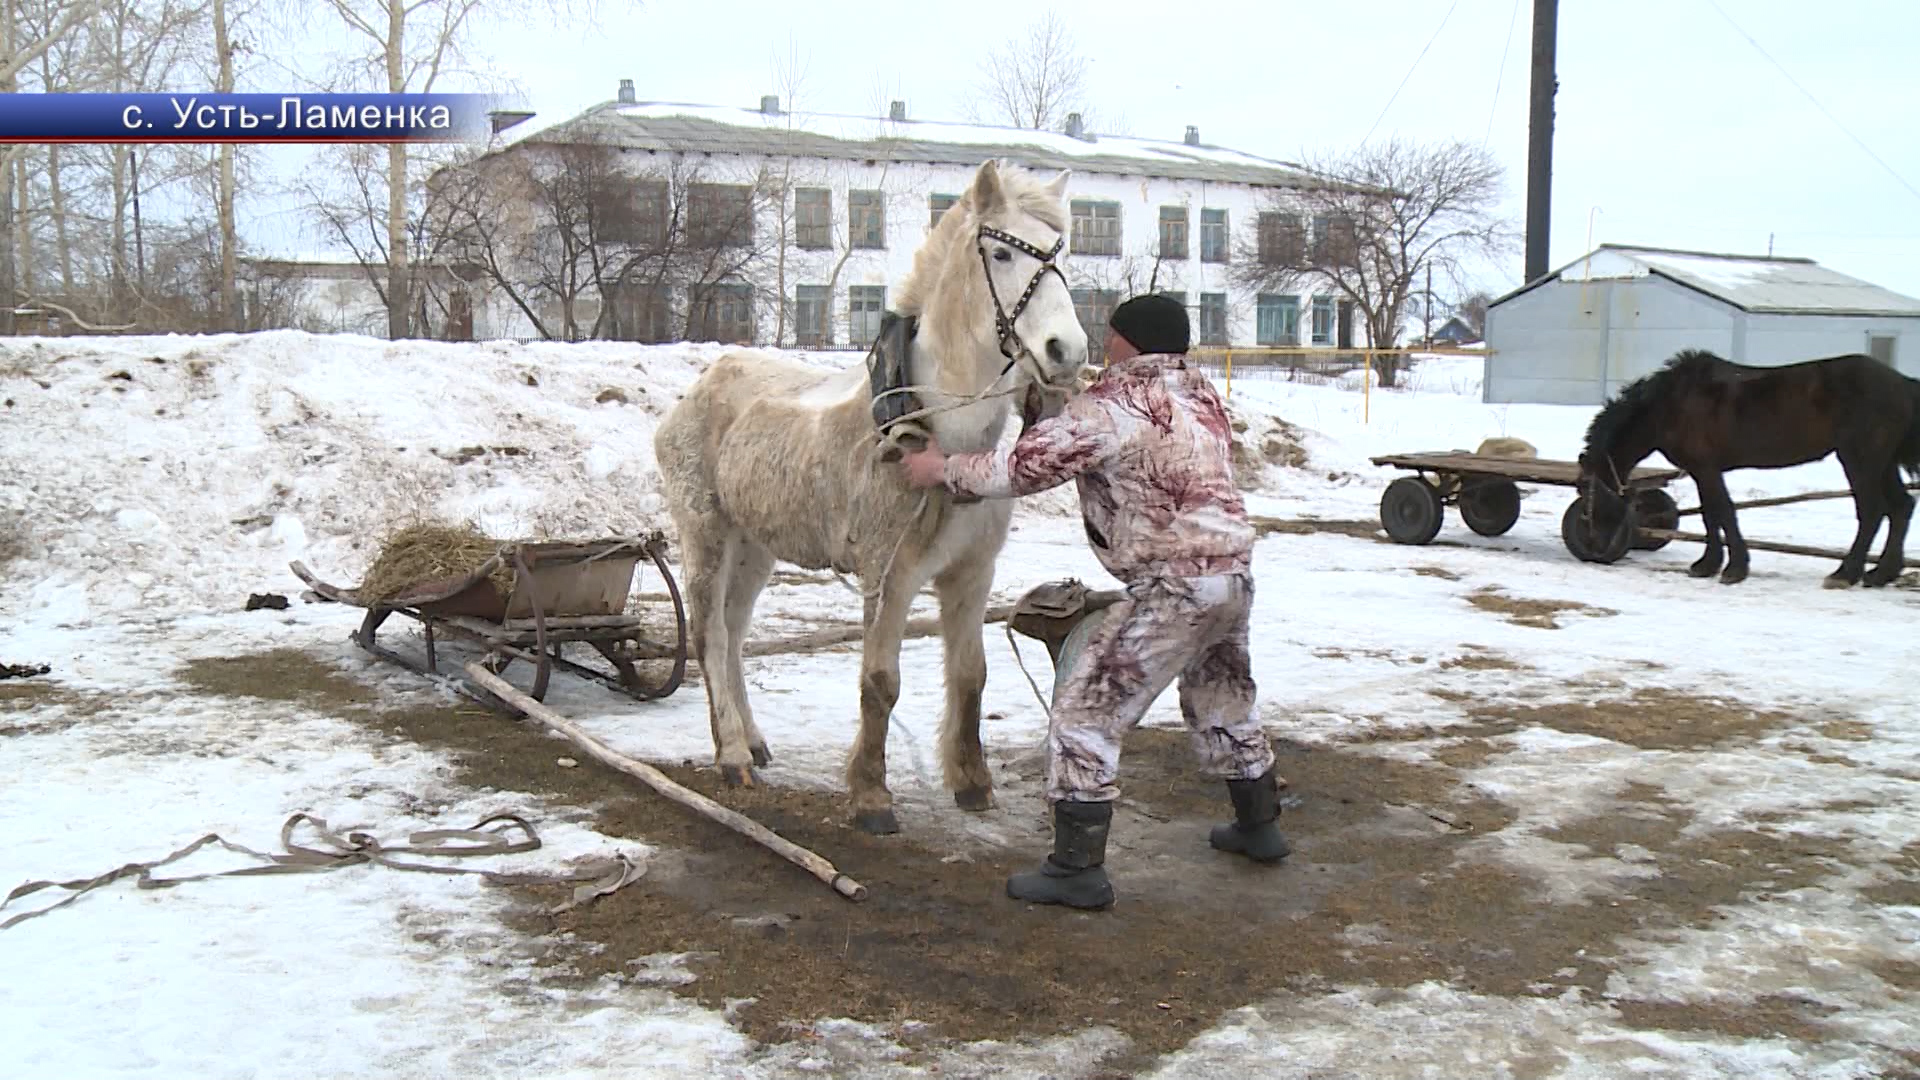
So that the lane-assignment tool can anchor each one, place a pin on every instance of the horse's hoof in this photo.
(738, 776)
(1732, 577)
(877, 822)
(1836, 581)
(1877, 580)
(1703, 570)
(974, 799)
(762, 757)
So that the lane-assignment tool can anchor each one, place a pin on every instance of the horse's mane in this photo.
(956, 227)
(1626, 407)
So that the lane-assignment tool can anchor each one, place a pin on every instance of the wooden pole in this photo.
(1546, 16)
(1784, 500)
(1767, 545)
(659, 782)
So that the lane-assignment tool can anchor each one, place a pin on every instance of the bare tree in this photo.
(1373, 222)
(414, 46)
(1033, 81)
(1473, 312)
(20, 47)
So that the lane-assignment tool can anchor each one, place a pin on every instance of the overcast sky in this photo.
(1670, 122)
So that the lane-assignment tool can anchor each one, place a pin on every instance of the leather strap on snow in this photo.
(335, 849)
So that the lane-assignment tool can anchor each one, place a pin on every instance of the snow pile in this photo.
(186, 472)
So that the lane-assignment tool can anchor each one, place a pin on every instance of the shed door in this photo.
(1880, 347)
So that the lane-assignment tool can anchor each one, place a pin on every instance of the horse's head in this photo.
(1019, 236)
(1604, 487)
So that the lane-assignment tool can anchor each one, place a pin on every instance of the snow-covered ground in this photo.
(147, 486)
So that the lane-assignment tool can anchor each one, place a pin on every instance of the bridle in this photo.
(1003, 320)
(886, 360)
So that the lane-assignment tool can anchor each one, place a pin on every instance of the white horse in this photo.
(766, 459)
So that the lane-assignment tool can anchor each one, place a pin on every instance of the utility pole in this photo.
(1427, 307)
(1546, 17)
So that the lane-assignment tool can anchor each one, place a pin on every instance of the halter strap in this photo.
(1002, 318)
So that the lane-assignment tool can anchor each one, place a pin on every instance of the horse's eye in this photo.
(1002, 255)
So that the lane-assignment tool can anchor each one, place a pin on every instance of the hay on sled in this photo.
(429, 552)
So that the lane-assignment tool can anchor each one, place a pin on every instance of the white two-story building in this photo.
(820, 214)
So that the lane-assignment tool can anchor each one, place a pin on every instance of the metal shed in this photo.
(1576, 335)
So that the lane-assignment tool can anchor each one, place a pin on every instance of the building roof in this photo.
(726, 130)
(1753, 283)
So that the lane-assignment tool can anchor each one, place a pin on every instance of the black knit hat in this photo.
(1154, 323)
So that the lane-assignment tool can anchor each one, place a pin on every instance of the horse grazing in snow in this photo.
(1709, 416)
(766, 459)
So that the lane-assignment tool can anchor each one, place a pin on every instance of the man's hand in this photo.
(926, 468)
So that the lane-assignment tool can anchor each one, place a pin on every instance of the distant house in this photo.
(1578, 334)
(821, 215)
(1455, 331)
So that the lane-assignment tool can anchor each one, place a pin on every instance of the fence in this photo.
(1312, 365)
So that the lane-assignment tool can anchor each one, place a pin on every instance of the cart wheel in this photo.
(1490, 508)
(1654, 509)
(629, 675)
(1576, 532)
(1410, 510)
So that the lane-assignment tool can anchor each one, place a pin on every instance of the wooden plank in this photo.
(1534, 470)
(1768, 545)
(579, 622)
(660, 782)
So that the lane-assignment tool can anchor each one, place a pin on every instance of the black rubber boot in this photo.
(1074, 875)
(1256, 804)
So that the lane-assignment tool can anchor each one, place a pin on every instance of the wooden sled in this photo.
(563, 592)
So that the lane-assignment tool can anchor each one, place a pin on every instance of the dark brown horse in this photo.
(1708, 416)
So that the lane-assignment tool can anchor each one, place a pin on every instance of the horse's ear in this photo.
(987, 191)
(1057, 187)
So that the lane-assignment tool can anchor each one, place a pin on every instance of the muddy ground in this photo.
(1389, 883)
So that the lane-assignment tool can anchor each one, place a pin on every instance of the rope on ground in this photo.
(337, 849)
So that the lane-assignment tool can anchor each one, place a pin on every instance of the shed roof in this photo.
(727, 130)
(1774, 285)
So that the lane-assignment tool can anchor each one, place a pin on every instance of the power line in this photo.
(1500, 73)
(1410, 70)
(1816, 101)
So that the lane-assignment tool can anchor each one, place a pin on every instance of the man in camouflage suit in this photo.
(1149, 444)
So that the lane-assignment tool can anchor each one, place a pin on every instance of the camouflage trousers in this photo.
(1190, 629)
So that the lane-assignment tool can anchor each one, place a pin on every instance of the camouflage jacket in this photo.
(1150, 445)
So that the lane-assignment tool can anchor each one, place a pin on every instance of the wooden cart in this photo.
(562, 592)
(1486, 489)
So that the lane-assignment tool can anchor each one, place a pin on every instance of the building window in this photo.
(1323, 320)
(1096, 227)
(1881, 348)
(719, 215)
(1213, 236)
(866, 220)
(722, 313)
(1278, 320)
(1095, 307)
(1213, 318)
(641, 313)
(1332, 240)
(1177, 297)
(938, 205)
(1173, 232)
(865, 303)
(811, 304)
(1280, 239)
(813, 218)
(641, 223)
